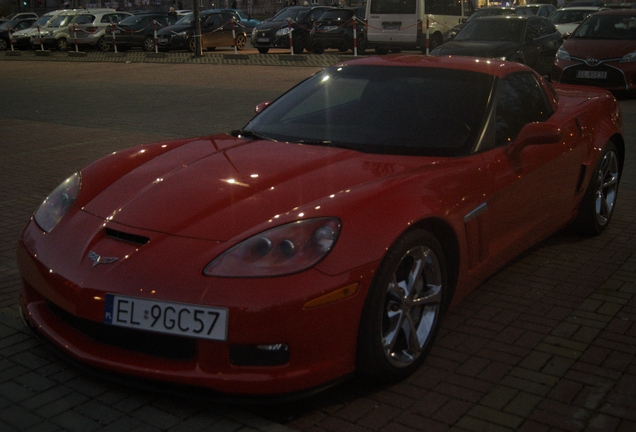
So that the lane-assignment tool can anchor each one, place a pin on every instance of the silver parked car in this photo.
(54, 33)
(89, 27)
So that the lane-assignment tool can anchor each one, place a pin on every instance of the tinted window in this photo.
(374, 109)
(520, 100)
(493, 30)
(395, 6)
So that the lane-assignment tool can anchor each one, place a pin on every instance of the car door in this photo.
(534, 185)
(214, 33)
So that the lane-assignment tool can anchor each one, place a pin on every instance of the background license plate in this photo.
(166, 317)
(263, 39)
(591, 74)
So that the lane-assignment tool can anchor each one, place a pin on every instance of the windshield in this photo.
(337, 15)
(135, 19)
(393, 6)
(185, 20)
(42, 20)
(510, 30)
(294, 14)
(375, 109)
(60, 21)
(607, 27)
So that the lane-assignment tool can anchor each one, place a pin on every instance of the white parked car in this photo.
(89, 27)
(569, 18)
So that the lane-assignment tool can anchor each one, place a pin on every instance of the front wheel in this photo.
(4, 44)
(241, 41)
(61, 44)
(317, 49)
(403, 308)
(597, 206)
(148, 44)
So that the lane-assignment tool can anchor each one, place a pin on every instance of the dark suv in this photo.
(275, 33)
(139, 30)
(334, 29)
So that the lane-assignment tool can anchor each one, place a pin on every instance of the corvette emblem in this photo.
(97, 259)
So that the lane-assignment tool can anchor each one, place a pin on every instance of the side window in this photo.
(533, 30)
(520, 100)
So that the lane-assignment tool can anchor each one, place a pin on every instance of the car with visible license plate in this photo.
(600, 52)
(335, 29)
(275, 33)
(22, 38)
(327, 237)
(7, 28)
(527, 39)
(54, 33)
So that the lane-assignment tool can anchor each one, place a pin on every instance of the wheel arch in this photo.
(447, 237)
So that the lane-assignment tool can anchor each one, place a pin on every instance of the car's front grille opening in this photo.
(127, 237)
(155, 344)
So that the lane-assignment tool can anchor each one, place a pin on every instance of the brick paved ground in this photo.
(547, 344)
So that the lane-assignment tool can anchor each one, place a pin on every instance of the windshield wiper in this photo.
(242, 133)
(328, 143)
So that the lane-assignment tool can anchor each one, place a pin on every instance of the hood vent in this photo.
(127, 237)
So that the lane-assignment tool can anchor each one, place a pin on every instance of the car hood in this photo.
(219, 187)
(488, 49)
(600, 49)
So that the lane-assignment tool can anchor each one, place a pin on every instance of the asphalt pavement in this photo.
(546, 344)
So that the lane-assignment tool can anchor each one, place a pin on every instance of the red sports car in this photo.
(328, 236)
(600, 52)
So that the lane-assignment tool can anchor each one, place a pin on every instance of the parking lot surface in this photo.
(547, 344)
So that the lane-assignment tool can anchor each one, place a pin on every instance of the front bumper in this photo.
(610, 75)
(69, 314)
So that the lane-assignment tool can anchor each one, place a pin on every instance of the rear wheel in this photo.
(403, 308)
(241, 41)
(148, 44)
(192, 44)
(102, 45)
(598, 203)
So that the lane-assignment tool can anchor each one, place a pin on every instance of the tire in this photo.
(318, 49)
(362, 46)
(61, 44)
(299, 44)
(4, 44)
(343, 48)
(192, 44)
(263, 50)
(102, 45)
(148, 44)
(407, 296)
(241, 41)
(381, 51)
(597, 207)
(435, 41)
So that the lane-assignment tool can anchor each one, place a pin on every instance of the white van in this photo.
(401, 24)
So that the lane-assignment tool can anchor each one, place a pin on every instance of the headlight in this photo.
(55, 206)
(631, 57)
(286, 249)
(184, 34)
(563, 55)
(283, 31)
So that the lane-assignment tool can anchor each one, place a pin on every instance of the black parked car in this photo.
(13, 25)
(531, 40)
(334, 29)
(138, 30)
(489, 11)
(275, 33)
(216, 30)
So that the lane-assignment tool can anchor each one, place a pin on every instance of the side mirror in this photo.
(261, 106)
(535, 134)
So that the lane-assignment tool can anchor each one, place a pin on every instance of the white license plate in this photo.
(166, 317)
(162, 40)
(330, 28)
(391, 27)
(591, 74)
(262, 40)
